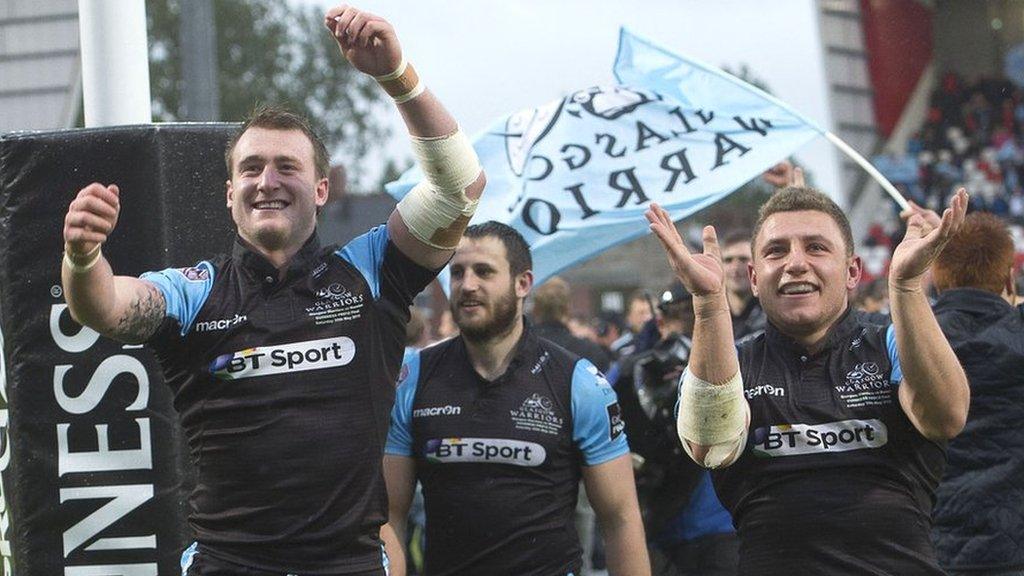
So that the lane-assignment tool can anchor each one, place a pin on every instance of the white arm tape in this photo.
(433, 206)
(716, 416)
(449, 162)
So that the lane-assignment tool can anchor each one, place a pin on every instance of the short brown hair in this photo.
(273, 118)
(979, 256)
(517, 251)
(551, 301)
(794, 199)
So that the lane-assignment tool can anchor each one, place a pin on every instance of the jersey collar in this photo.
(841, 332)
(974, 301)
(525, 351)
(254, 262)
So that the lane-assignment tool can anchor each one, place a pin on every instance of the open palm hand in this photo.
(923, 242)
(701, 273)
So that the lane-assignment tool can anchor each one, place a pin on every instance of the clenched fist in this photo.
(91, 217)
(367, 41)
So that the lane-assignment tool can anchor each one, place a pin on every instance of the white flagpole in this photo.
(860, 160)
(115, 62)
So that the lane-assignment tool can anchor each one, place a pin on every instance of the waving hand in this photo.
(701, 273)
(923, 241)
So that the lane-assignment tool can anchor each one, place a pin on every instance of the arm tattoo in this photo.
(144, 315)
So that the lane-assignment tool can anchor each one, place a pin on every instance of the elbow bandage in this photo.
(437, 210)
(715, 416)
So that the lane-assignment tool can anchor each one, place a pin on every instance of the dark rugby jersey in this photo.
(500, 461)
(834, 478)
(284, 389)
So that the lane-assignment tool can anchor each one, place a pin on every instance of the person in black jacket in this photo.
(979, 515)
(551, 315)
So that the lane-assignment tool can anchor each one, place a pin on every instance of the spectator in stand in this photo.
(972, 136)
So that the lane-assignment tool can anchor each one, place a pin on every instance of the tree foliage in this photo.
(271, 52)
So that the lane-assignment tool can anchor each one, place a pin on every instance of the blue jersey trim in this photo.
(400, 432)
(597, 422)
(366, 253)
(185, 291)
(896, 376)
(187, 557)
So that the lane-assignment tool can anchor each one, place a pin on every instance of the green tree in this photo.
(272, 52)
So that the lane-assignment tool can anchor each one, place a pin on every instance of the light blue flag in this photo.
(575, 175)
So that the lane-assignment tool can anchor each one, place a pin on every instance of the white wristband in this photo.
(403, 84)
(397, 73)
(416, 91)
(76, 268)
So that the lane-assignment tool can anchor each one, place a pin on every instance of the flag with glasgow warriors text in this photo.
(575, 175)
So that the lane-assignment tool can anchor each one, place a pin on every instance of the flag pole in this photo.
(863, 163)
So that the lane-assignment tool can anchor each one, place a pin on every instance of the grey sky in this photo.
(486, 58)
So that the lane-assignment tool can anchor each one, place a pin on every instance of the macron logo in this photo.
(447, 410)
(296, 357)
(211, 325)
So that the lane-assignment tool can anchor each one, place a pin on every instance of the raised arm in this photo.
(120, 307)
(428, 222)
(713, 415)
(934, 392)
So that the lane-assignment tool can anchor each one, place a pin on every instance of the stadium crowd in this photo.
(973, 136)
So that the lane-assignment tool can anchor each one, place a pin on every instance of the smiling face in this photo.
(486, 300)
(274, 193)
(802, 273)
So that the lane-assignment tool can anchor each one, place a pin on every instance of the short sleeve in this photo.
(366, 253)
(400, 432)
(896, 376)
(185, 290)
(389, 273)
(598, 428)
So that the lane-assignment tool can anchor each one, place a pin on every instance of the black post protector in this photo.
(93, 465)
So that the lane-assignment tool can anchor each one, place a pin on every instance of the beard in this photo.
(501, 322)
(269, 239)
